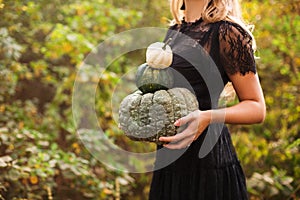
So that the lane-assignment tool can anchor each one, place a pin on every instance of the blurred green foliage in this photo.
(42, 44)
(270, 151)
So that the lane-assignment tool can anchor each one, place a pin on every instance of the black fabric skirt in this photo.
(217, 176)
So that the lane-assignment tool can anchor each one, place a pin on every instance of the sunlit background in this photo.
(42, 45)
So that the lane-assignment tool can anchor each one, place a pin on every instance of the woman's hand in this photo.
(196, 122)
(250, 110)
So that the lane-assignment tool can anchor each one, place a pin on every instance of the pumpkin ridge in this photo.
(126, 113)
(193, 101)
(183, 96)
(134, 111)
(170, 130)
(184, 107)
(165, 115)
(176, 107)
(190, 102)
(186, 99)
(153, 138)
(144, 116)
(139, 73)
(137, 109)
(123, 111)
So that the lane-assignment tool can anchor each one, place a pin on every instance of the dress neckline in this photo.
(197, 21)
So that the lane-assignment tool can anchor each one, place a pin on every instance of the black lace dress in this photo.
(218, 175)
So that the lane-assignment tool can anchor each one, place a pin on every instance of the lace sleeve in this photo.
(236, 53)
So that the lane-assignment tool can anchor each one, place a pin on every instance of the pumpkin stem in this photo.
(167, 42)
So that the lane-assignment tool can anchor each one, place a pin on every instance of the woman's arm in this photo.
(251, 109)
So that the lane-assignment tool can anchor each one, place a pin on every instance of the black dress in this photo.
(218, 175)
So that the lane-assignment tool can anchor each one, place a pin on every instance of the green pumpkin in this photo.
(149, 79)
(146, 117)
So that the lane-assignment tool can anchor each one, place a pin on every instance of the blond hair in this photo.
(215, 10)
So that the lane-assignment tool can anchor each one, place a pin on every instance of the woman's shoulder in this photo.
(236, 51)
(233, 29)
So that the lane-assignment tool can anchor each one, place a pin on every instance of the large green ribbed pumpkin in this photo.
(146, 117)
(149, 79)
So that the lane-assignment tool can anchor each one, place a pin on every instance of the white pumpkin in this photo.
(159, 55)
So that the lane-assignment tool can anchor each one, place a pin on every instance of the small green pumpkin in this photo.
(146, 117)
(149, 79)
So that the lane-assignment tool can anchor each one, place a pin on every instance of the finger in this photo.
(196, 136)
(189, 131)
(174, 138)
(183, 120)
(176, 146)
(177, 137)
(180, 145)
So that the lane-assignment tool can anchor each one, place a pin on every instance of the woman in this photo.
(218, 27)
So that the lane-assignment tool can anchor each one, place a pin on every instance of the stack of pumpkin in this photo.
(151, 111)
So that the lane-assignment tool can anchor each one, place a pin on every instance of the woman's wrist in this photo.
(214, 116)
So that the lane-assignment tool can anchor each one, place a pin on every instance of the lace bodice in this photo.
(218, 175)
(226, 43)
